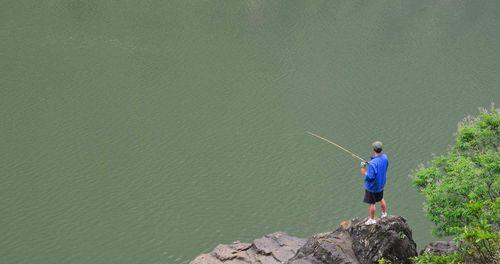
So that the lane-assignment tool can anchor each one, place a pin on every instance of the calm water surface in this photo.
(150, 131)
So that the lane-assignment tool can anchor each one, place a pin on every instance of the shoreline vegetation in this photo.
(462, 190)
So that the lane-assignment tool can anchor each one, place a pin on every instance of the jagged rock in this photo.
(206, 259)
(275, 248)
(265, 245)
(389, 238)
(305, 260)
(283, 254)
(332, 247)
(440, 248)
(285, 240)
(355, 242)
(224, 252)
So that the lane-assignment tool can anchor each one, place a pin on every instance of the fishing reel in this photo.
(364, 164)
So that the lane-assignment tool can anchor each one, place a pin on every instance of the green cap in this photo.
(377, 145)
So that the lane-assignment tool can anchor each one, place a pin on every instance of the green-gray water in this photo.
(151, 131)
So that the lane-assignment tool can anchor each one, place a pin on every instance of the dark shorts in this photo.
(372, 198)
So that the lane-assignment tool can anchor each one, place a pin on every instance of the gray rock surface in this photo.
(275, 248)
(440, 248)
(390, 238)
(353, 242)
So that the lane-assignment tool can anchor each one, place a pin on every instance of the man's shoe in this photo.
(370, 221)
(384, 214)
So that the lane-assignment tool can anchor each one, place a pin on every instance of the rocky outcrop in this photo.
(440, 248)
(274, 248)
(355, 242)
(352, 242)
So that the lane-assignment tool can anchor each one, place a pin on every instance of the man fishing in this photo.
(375, 177)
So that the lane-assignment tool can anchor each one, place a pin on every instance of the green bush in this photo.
(462, 188)
(383, 261)
(437, 259)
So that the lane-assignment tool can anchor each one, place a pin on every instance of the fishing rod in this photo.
(337, 145)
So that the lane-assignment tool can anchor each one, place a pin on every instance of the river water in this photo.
(150, 131)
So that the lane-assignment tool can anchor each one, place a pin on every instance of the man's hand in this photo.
(363, 167)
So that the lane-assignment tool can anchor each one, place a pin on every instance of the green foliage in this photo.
(438, 259)
(462, 187)
(383, 261)
(480, 242)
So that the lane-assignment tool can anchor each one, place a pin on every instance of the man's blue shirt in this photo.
(376, 173)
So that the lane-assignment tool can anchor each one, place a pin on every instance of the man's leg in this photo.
(383, 206)
(371, 210)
